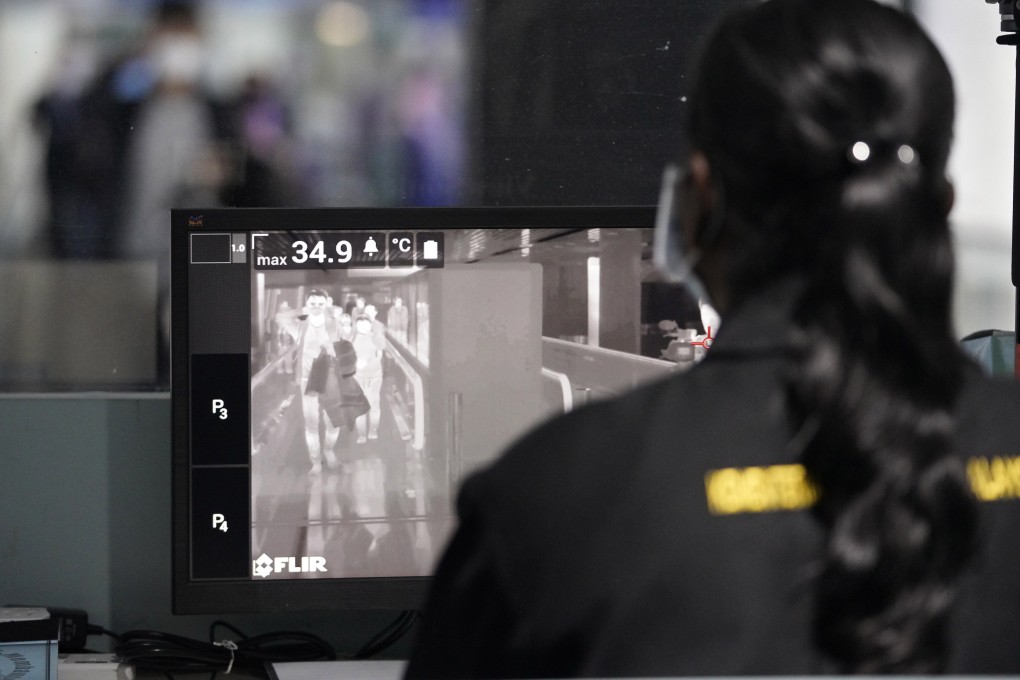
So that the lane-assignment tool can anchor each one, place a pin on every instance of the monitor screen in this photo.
(337, 372)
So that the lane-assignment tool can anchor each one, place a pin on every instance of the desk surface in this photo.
(338, 670)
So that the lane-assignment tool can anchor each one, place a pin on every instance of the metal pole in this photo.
(1015, 264)
(455, 454)
(1007, 16)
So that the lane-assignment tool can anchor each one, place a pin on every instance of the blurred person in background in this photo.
(172, 158)
(146, 134)
(432, 145)
(134, 141)
(74, 170)
(261, 126)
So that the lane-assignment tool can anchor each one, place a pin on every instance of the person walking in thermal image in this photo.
(369, 375)
(396, 319)
(315, 329)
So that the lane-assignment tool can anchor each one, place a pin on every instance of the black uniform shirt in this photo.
(664, 533)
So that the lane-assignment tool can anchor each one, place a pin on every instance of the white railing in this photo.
(271, 367)
(565, 388)
(602, 372)
(418, 386)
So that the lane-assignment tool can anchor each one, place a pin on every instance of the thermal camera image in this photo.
(376, 389)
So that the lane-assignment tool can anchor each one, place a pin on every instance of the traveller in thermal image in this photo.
(356, 306)
(369, 375)
(396, 319)
(378, 327)
(314, 329)
(346, 327)
(832, 489)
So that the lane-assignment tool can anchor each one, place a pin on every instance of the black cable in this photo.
(233, 629)
(164, 653)
(388, 635)
(156, 652)
(369, 648)
(99, 630)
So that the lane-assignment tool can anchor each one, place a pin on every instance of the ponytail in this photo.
(829, 122)
(876, 374)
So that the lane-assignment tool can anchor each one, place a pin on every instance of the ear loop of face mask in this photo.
(675, 262)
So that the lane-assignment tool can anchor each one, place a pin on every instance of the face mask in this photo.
(675, 262)
(316, 312)
(179, 59)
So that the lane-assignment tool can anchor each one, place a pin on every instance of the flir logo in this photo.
(266, 565)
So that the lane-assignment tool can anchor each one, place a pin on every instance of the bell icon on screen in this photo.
(370, 246)
(430, 251)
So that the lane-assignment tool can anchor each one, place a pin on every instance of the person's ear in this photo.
(701, 175)
(698, 201)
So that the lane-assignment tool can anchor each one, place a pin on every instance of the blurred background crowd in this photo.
(114, 111)
(135, 107)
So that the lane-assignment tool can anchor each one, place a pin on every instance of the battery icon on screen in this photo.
(430, 249)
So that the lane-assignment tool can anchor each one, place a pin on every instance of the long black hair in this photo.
(827, 125)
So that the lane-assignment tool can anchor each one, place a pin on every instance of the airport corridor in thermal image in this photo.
(375, 391)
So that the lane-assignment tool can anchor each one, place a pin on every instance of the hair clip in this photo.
(860, 152)
(906, 154)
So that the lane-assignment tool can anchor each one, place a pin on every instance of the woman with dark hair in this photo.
(830, 489)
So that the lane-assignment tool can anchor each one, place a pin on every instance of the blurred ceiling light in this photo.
(342, 24)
